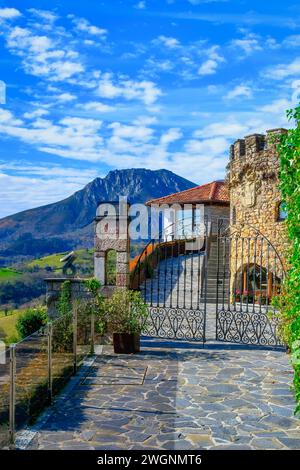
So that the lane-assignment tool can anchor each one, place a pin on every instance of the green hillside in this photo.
(8, 331)
(84, 260)
(8, 274)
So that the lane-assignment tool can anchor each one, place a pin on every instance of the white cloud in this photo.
(7, 117)
(209, 67)
(144, 90)
(292, 41)
(138, 132)
(228, 129)
(36, 113)
(170, 136)
(277, 106)
(84, 26)
(71, 137)
(167, 41)
(41, 57)
(213, 146)
(278, 72)
(38, 185)
(295, 85)
(249, 44)
(65, 97)
(161, 65)
(98, 107)
(8, 13)
(145, 120)
(238, 92)
(140, 5)
(45, 15)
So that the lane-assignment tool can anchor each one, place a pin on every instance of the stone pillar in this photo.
(111, 233)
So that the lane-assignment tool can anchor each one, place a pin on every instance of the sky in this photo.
(93, 85)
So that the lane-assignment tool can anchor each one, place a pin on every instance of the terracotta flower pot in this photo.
(126, 343)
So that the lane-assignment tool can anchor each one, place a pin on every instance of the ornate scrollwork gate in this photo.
(171, 275)
(249, 275)
(229, 278)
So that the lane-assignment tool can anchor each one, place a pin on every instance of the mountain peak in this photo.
(69, 220)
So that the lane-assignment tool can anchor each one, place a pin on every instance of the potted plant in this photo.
(127, 313)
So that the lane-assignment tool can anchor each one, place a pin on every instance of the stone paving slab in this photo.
(219, 397)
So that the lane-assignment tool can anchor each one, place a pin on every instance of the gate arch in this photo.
(254, 271)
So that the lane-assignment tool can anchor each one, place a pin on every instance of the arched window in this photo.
(282, 211)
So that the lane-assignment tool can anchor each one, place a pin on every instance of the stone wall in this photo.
(253, 179)
(78, 291)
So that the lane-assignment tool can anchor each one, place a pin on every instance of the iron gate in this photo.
(215, 277)
(249, 276)
(171, 276)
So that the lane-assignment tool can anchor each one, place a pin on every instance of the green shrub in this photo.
(64, 302)
(127, 312)
(96, 305)
(31, 321)
(289, 300)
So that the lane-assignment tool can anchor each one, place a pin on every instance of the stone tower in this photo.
(253, 178)
(258, 247)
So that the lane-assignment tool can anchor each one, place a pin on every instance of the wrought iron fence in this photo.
(250, 273)
(37, 367)
(171, 275)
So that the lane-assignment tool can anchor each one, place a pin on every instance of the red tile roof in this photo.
(215, 193)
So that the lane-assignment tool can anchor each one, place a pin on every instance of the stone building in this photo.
(209, 201)
(257, 212)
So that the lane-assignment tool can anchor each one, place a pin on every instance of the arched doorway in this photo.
(254, 283)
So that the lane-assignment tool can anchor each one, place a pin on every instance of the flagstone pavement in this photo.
(176, 395)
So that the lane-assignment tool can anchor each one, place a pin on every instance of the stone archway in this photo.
(111, 235)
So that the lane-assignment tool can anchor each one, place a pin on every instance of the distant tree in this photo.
(31, 321)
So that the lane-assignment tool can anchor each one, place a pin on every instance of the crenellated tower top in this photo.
(254, 143)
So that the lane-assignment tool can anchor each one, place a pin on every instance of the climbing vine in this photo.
(64, 303)
(289, 301)
(62, 328)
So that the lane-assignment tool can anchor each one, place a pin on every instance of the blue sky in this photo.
(97, 85)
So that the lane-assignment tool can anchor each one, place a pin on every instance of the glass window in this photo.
(282, 211)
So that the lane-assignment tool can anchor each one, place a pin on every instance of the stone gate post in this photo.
(112, 233)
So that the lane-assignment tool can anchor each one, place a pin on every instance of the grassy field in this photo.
(8, 274)
(8, 331)
(83, 257)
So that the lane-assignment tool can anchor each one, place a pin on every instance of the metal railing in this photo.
(37, 368)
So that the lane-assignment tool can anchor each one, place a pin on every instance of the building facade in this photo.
(184, 211)
(257, 214)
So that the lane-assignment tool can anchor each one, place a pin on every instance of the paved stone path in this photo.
(178, 396)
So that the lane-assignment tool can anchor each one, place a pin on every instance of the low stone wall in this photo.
(54, 285)
(78, 292)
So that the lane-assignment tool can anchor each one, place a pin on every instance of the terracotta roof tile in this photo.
(215, 192)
